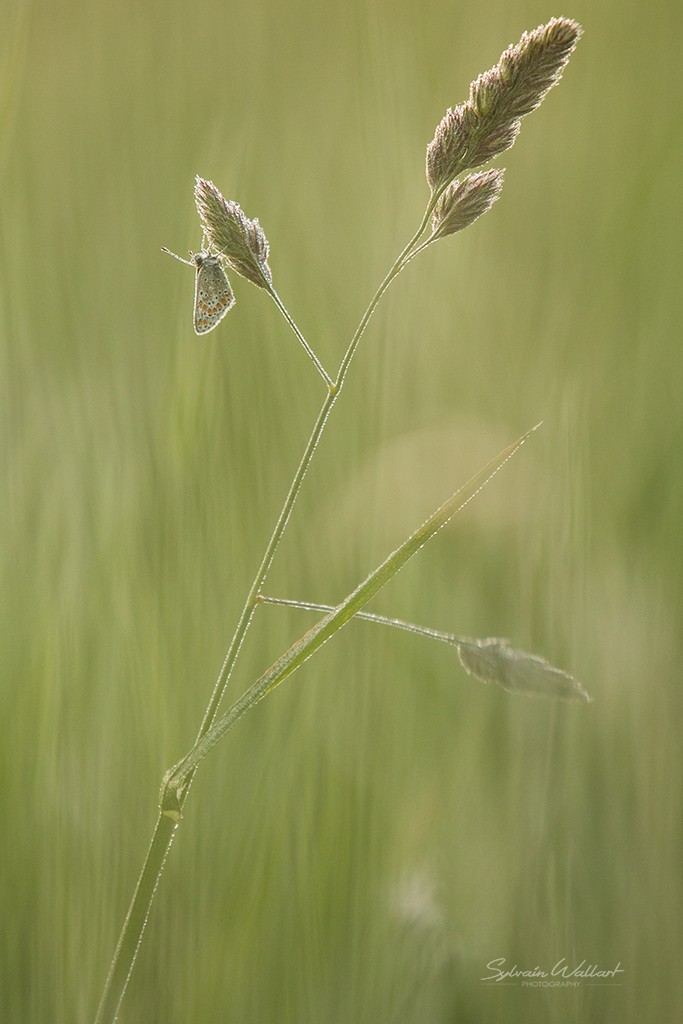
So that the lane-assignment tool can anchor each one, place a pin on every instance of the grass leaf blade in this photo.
(302, 649)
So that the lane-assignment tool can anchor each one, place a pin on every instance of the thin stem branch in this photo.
(381, 620)
(307, 348)
(393, 273)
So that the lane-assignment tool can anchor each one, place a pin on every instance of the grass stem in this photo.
(136, 918)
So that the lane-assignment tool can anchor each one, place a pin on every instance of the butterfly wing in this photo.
(213, 296)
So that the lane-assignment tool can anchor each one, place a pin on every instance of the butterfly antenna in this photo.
(176, 256)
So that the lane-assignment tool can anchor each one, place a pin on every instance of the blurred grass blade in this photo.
(493, 661)
(310, 642)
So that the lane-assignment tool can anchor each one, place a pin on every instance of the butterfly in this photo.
(213, 296)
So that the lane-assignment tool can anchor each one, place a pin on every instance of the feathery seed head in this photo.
(464, 201)
(488, 122)
(240, 240)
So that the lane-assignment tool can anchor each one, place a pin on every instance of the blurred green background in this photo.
(383, 826)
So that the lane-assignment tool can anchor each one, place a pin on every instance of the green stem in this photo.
(381, 620)
(136, 919)
(307, 348)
